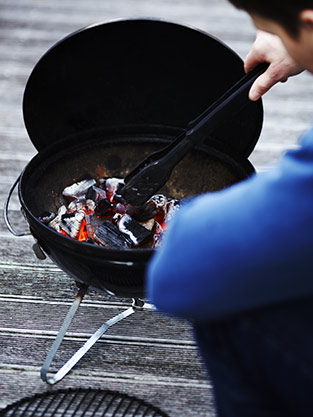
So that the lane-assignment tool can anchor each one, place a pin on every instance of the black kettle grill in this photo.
(96, 104)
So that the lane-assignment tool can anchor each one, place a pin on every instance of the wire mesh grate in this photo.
(82, 403)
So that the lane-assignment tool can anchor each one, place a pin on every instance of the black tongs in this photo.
(153, 172)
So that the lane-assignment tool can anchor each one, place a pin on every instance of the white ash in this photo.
(117, 217)
(172, 208)
(160, 200)
(112, 185)
(109, 235)
(92, 223)
(81, 204)
(55, 223)
(71, 223)
(135, 231)
(46, 217)
(158, 235)
(106, 214)
(95, 193)
(78, 189)
(149, 224)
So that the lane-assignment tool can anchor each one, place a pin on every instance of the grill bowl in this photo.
(120, 272)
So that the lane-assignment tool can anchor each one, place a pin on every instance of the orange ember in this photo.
(83, 233)
(163, 225)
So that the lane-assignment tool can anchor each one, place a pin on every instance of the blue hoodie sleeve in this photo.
(248, 246)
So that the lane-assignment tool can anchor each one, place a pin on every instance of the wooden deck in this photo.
(147, 355)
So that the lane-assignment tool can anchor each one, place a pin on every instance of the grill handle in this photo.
(6, 211)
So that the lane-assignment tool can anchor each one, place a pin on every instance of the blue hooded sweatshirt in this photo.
(245, 247)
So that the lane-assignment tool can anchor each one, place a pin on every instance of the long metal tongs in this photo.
(152, 173)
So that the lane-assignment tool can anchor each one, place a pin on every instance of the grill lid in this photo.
(138, 73)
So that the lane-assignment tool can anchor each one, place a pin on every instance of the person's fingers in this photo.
(269, 48)
(252, 60)
(261, 85)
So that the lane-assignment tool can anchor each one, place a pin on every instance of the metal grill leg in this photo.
(63, 329)
(60, 374)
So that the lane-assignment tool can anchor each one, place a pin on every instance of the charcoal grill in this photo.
(97, 103)
(82, 402)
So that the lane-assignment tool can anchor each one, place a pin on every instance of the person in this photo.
(269, 48)
(238, 263)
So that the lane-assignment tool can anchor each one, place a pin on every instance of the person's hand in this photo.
(269, 48)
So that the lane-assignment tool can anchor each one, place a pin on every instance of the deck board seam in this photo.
(77, 336)
(141, 379)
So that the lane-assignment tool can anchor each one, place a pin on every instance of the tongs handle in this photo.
(149, 176)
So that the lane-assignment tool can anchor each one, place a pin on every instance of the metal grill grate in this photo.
(81, 403)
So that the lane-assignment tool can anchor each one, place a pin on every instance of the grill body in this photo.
(102, 99)
(120, 272)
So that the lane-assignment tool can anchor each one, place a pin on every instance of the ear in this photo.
(306, 18)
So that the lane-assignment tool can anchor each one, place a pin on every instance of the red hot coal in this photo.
(95, 213)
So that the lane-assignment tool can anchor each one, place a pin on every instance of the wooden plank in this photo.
(14, 249)
(176, 397)
(47, 316)
(111, 355)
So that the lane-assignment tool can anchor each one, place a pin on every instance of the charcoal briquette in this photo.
(78, 189)
(71, 222)
(135, 231)
(108, 235)
(46, 217)
(95, 193)
(103, 207)
(145, 212)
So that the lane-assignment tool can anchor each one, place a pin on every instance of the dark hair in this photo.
(285, 12)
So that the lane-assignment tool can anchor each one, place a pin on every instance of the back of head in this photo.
(285, 12)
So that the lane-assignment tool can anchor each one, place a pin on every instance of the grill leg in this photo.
(60, 374)
(63, 329)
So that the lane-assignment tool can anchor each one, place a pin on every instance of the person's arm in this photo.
(245, 247)
(269, 48)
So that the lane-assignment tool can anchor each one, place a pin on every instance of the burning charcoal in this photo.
(161, 202)
(131, 228)
(172, 206)
(46, 217)
(159, 199)
(149, 224)
(120, 208)
(71, 222)
(145, 212)
(92, 222)
(81, 204)
(158, 236)
(112, 185)
(95, 193)
(56, 222)
(89, 240)
(100, 215)
(103, 207)
(108, 235)
(117, 217)
(90, 206)
(117, 197)
(78, 189)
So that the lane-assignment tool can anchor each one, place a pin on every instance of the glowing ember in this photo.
(83, 233)
(94, 213)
